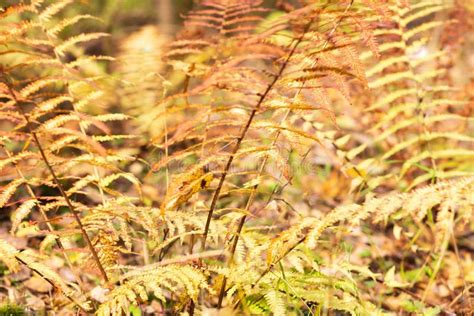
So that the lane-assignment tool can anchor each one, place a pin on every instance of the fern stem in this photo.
(263, 97)
(73, 210)
(47, 222)
(264, 162)
(244, 217)
(437, 265)
(460, 267)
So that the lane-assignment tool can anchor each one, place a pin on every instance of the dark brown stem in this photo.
(250, 200)
(73, 210)
(47, 222)
(263, 96)
(252, 195)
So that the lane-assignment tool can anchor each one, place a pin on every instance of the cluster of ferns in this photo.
(228, 168)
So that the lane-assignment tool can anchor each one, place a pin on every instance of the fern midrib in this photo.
(216, 195)
(60, 187)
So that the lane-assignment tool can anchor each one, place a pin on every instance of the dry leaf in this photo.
(37, 284)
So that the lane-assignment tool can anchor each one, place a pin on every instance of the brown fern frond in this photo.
(413, 112)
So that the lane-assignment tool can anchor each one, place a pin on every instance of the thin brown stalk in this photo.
(242, 222)
(48, 224)
(72, 209)
(261, 169)
(264, 162)
(262, 98)
(461, 269)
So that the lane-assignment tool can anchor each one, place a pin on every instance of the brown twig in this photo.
(263, 97)
(264, 162)
(47, 221)
(262, 166)
(60, 187)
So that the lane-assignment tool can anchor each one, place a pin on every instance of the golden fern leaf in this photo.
(45, 272)
(8, 253)
(63, 129)
(63, 47)
(183, 280)
(21, 213)
(449, 196)
(275, 300)
(9, 190)
(184, 186)
(108, 249)
(413, 120)
(13, 258)
(229, 17)
(59, 27)
(53, 9)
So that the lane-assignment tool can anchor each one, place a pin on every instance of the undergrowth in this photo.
(306, 159)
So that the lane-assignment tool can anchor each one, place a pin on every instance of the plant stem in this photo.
(73, 210)
(264, 162)
(263, 97)
(47, 222)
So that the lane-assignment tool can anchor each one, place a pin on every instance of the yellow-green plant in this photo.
(193, 177)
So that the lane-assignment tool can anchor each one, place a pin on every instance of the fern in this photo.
(235, 166)
(448, 197)
(276, 302)
(184, 281)
(13, 258)
(139, 63)
(417, 107)
(39, 102)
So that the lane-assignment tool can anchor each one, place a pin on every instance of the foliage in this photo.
(314, 157)
(11, 309)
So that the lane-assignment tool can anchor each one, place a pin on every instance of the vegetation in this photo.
(291, 158)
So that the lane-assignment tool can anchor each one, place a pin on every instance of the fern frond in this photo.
(8, 253)
(260, 132)
(21, 213)
(59, 27)
(275, 300)
(81, 38)
(412, 109)
(449, 197)
(182, 280)
(9, 190)
(53, 9)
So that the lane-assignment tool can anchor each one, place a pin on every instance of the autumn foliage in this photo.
(297, 158)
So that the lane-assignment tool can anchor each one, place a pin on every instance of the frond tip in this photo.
(7, 255)
(184, 281)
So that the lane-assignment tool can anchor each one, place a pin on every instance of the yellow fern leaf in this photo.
(21, 213)
(84, 37)
(7, 255)
(68, 22)
(53, 9)
(9, 190)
